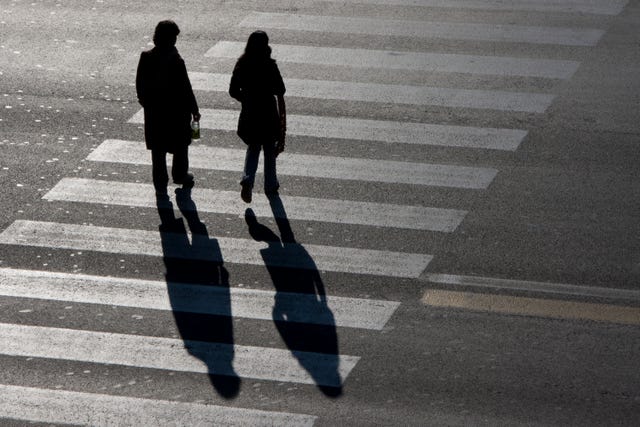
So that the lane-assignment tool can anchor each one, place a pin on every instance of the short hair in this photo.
(166, 33)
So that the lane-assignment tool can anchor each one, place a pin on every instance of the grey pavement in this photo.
(508, 296)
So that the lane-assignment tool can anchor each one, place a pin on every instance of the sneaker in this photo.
(245, 193)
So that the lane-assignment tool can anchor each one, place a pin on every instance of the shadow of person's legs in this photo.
(199, 261)
(296, 289)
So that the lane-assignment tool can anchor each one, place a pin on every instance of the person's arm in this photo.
(235, 90)
(280, 143)
(141, 80)
(191, 98)
(282, 110)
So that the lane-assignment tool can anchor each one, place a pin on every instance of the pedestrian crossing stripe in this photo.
(597, 7)
(184, 297)
(291, 207)
(260, 363)
(398, 60)
(423, 29)
(313, 166)
(394, 93)
(219, 249)
(374, 130)
(102, 410)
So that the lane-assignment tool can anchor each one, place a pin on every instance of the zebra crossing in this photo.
(299, 208)
(316, 166)
(267, 363)
(74, 408)
(421, 29)
(395, 93)
(375, 130)
(400, 60)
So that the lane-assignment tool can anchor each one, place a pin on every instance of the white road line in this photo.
(299, 208)
(219, 249)
(396, 94)
(423, 29)
(532, 306)
(353, 169)
(421, 61)
(374, 130)
(598, 7)
(531, 286)
(156, 295)
(260, 363)
(101, 410)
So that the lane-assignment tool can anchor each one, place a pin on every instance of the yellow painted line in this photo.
(532, 306)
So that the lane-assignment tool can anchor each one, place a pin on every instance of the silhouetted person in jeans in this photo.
(256, 82)
(165, 93)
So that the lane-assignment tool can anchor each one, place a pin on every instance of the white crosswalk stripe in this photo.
(374, 130)
(598, 7)
(174, 354)
(147, 294)
(221, 249)
(228, 202)
(102, 410)
(427, 62)
(205, 157)
(423, 29)
(385, 131)
(397, 94)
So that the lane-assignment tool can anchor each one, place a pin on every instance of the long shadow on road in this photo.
(199, 261)
(292, 315)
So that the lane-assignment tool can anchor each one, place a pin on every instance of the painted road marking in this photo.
(532, 306)
(423, 29)
(396, 94)
(157, 295)
(176, 355)
(219, 249)
(531, 286)
(291, 207)
(101, 410)
(598, 7)
(420, 61)
(353, 169)
(374, 130)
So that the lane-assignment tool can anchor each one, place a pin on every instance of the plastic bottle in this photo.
(195, 130)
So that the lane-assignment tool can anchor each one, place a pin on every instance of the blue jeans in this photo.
(251, 166)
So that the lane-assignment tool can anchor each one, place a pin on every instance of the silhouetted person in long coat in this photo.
(256, 82)
(165, 93)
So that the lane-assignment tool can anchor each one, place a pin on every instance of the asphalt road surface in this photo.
(456, 240)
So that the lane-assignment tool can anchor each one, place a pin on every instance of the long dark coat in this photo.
(255, 83)
(165, 92)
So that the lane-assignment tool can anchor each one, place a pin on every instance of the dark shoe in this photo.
(245, 193)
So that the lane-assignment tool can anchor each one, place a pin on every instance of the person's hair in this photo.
(166, 33)
(257, 46)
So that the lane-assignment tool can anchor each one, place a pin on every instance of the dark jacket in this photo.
(255, 83)
(165, 93)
